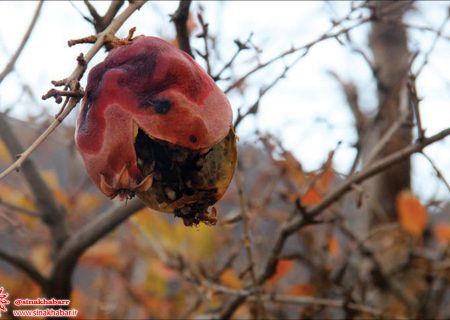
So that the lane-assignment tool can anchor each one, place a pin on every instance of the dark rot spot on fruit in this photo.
(193, 138)
(160, 106)
(184, 149)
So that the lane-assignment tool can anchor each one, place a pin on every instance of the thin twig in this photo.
(396, 288)
(307, 300)
(375, 168)
(436, 169)
(19, 209)
(52, 213)
(25, 266)
(261, 312)
(10, 66)
(205, 36)
(254, 108)
(306, 48)
(433, 45)
(101, 22)
(240, 47)
(180, 18)
(297, 221)
(351, 94)
(72, 81)
(385, 138)
(83, 239)
(414, 104)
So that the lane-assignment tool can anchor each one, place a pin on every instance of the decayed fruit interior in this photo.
(185, 182)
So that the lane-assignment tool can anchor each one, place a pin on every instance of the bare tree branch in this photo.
(436, 169)
(414, 103)
(102, 22)
(10, 66)
(180, 18)
(80, 241)
(255, 106)
(433, 45)
(72, 82)
(52, 213)
(19, 209)
(261, 312)
(205, 36)
(286, 299)
(351, 94)
(330, 34)
(24, 266)
(297, 221)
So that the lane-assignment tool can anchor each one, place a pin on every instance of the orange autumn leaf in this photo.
(442, 232)
(311, 197)
(302, 289)
(333, 247)
(230, 279)
(283, 267)
(292, 168)
(412, 215)
(325, 178)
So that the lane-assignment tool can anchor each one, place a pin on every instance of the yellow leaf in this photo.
(41, 256)
(230, 279)
(51, 178)
(311, 197)
(5, 157)
(412, 215)
(174, 235)
(14, 196)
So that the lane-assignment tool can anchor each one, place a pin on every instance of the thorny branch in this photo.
(301, 216)
(439, 173)
(433, 45)
(255, 106)
(414, 104)
(261, 313)
(297, 221)
(205, 36)
(241, 46)
(67, 248)
(330, 34)
(72, 82)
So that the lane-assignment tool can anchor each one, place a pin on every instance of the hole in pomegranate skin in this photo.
(178, 179)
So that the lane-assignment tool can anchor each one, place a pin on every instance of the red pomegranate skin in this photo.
(153, 86)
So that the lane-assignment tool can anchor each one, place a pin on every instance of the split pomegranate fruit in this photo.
(154, 124)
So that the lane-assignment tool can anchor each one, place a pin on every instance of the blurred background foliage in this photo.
(339, 264)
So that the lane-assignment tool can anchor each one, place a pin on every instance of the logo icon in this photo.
(3, 300)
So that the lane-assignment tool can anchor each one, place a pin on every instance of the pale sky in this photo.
(307, 109)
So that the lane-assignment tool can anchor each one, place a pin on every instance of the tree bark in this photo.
(388, 42)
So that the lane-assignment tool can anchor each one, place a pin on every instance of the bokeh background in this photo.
(299, 145)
